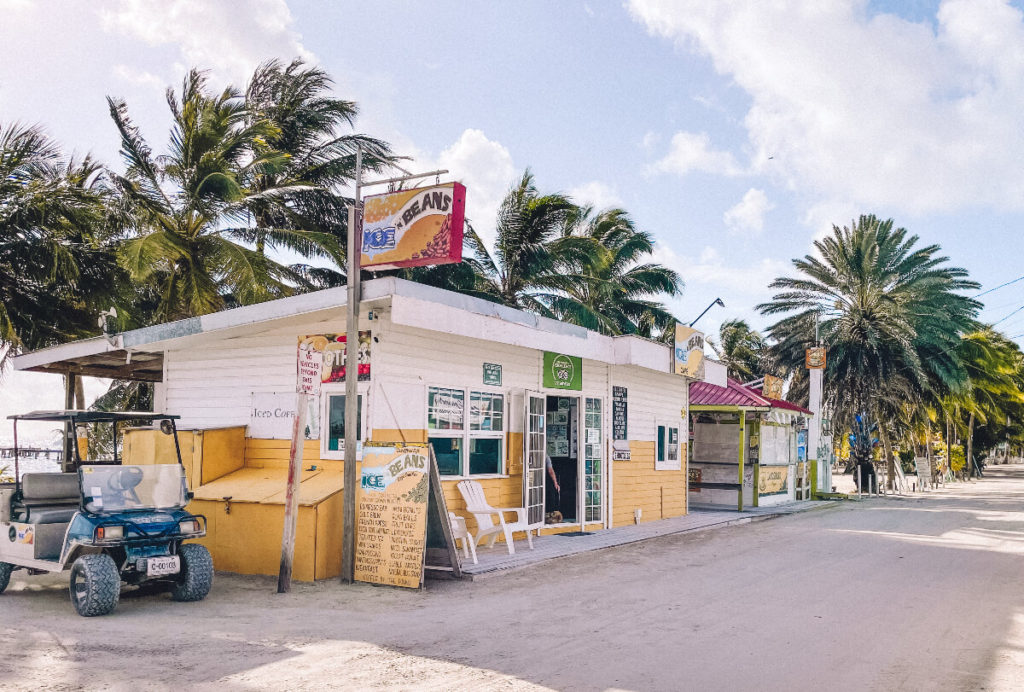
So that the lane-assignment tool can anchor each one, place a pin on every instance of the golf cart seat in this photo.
(48, 498)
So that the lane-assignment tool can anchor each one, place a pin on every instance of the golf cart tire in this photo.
(102, 583)
(196, 576)
(5, 574)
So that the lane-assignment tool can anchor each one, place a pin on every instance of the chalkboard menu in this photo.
(619, 429)
(391, 516)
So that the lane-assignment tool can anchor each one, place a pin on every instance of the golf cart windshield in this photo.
(118, 488)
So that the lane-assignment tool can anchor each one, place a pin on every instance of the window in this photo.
(332, 418)
(667, 457)
(466, 448)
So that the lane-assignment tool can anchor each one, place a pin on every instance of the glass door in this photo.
(535, 447)
(593, 454)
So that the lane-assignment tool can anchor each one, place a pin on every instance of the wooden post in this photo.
(67, 455)
(291, 498)
(739, 498)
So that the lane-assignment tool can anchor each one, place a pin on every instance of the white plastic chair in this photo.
(476, 504)
(459, 531)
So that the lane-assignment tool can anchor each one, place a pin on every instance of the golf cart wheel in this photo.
(5, 574)
(95, 585)
(196, 576)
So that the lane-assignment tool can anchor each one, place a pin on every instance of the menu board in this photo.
(391, 515)
(619, 411)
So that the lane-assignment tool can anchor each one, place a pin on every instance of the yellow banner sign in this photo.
(772, 387)
(688, 353)
(391, 516)
(413, 228)
(772, 480)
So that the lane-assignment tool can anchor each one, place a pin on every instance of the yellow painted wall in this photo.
(223, 452)
(635, 484)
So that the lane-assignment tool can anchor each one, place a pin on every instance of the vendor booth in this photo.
(584, 430)
(746, 449)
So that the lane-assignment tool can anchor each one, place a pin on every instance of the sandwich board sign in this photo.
(399, 486)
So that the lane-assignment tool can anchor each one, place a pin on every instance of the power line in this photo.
(1019, 278)
(1008, 316)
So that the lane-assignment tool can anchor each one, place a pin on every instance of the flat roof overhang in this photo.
(120, 364)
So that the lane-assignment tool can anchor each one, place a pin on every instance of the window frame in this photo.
(661, 460)
(338, 389)
(467, 433)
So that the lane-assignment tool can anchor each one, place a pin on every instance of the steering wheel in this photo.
(126, 479)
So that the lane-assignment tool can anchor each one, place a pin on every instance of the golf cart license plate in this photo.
(157, 566)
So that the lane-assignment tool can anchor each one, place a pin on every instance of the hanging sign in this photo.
(562, 371)
(814, 358)
(332, 348)
(772, 387)
(413, 228)
(391, 514)
(688, 352)
(492, 374)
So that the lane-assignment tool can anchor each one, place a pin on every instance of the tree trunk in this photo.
(949, 444)
(890, 465)
(79, 394)
(970, 446)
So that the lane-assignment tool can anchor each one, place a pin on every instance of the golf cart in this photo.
(106, 522)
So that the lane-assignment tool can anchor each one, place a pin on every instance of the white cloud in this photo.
(710, 269)
(140, 77)
(228, 38)
(869, 108)
(596, 193)
(691, 151)
(748, 214)
(485, 167)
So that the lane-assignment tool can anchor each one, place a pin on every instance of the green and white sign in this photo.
(562, 371)
(492, 374)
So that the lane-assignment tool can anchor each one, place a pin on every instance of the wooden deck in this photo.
(496, 560)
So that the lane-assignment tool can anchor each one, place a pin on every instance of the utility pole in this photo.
(823, 481)
(355, 223)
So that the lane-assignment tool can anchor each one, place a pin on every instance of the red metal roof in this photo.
(735, 394)
(779, 403)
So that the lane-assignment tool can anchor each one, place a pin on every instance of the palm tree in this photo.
(742, 349)
(891, 316)
(318, 159)
(992, 363)
(528, 249)
(608, 288)
(191, 209)
(57, 269)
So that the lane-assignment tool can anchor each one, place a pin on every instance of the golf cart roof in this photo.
(90, 416)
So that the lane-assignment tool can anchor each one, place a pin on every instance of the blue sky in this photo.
(735, 132)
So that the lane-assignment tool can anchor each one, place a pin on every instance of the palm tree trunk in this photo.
(970, 446)
(890, 464)
(79, 394)
(949, 443)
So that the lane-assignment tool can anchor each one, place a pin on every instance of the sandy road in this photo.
(920, 593)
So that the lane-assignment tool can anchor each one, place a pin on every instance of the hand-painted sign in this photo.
(620, 425)
(694, 477)
(332, 348)
(272, 414)
(413, 228)
(562, 371)
(772, 387)
(773, 480)
(492, 374)
(391, 516)
(309, 369)
(814, 358)
(688, 352)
